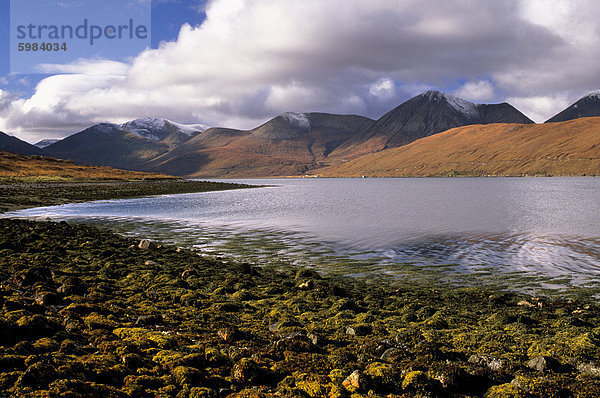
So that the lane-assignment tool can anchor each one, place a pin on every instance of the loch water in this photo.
(518, 232)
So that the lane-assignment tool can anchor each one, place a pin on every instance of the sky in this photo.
(238, 63)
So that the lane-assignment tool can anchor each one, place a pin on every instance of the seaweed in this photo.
(86, 312)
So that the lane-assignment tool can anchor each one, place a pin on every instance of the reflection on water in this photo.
(515, 231)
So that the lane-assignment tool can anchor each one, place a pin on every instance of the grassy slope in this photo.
(569, 148)
(33, 181)
(14, 167)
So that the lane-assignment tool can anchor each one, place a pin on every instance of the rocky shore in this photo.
(87, 313)
(20, 195)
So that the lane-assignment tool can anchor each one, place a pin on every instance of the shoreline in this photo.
(90, 313)
(20, 195)
(87, 312)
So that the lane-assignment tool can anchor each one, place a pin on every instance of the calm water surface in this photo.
(542, 232)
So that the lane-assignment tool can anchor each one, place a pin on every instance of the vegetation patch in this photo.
(88, 313)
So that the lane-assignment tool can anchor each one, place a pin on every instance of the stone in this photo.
(419, 382)
(245, 371)
(202, 392)
(358, 330)
(505, 390)
(390, 354)
(189, 272)
(47, 298)
(296, 342)
(228, 334)
(487, 360)
(309, 284)
(307, 273)
(275, 326)
(214, 357)
(36, 325)
(186, 375)
(146, 244)
(245, 269)
(525, 303)
(356, 381)
(383, 376)
(34, 275)
(72, 286)
(591, 369)
(149, 320)
(132, 361)
(543, 363)
(313, 338)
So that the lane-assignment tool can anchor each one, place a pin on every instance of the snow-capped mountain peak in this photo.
(189, 128)
(593, 94)
(154, 128)
(47, 142)
(297, 119)
(458, 104)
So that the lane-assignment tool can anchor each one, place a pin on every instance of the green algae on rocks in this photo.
(87, 313)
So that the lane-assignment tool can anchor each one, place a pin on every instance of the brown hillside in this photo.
(278, 147)
(426, 114)
(568, 148)
(33, 168)
(239, 155)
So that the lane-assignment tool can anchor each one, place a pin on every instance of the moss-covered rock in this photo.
(507, 390)
(120, 321)
(186, 375)
(384, 377)
(418, 382)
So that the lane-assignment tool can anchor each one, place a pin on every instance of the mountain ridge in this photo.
(586, 106)
(126, 146)
(12, 144)
(567, 148)
(46, 142)
(290, 144)
(423, 115)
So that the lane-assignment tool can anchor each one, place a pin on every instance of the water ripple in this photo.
(518, 232)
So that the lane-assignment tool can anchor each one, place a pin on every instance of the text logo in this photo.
(47, 33)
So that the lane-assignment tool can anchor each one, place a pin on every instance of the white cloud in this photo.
(5, 99)
(481, 90)
(252, 59)
(540, 108)
(87, 67)
(383, 88)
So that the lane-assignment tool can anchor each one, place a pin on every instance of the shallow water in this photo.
(542, 232)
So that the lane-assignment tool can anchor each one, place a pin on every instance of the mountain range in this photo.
(294, 144)
(289, 144)
(570, 148)
(125, 146)
(12, 144)
(426, 114)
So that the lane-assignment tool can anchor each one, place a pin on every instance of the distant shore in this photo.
(22, 195)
